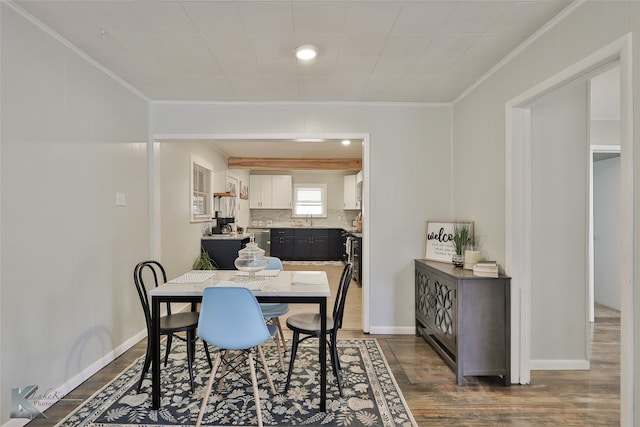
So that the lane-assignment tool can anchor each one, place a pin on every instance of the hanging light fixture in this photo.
(306, 52)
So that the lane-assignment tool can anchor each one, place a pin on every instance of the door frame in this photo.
(518, 213)
(154, 239)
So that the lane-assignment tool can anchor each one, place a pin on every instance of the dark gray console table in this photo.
(465, 318)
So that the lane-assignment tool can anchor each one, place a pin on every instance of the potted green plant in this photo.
(460, 238)
(204, 262)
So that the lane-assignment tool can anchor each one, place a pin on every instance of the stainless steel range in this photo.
(354, 252)
(263, 238)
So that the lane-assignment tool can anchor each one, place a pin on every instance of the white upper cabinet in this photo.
(259, 191)
(281, 191)
(270, 191)
(350, 185)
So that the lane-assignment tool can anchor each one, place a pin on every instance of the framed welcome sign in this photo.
(439, 239)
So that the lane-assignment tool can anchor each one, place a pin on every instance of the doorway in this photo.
(604, 190)
(519, 218)
(233, 138)
(604, 228)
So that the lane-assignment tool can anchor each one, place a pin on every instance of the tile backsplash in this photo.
(282, 217)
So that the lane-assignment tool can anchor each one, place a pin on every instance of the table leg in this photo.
(155, 353)
(322, 351)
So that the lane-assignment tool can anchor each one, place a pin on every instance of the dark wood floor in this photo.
(554, 398)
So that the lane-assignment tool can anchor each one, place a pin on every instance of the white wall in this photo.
(409, 175)
(479, 127)
(71, 138)
(606, 213)
(604, 132)
(479, 130)
(559, 211)
(179, 237)
(243, 212)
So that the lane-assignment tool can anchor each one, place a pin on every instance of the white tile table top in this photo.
(280, 285)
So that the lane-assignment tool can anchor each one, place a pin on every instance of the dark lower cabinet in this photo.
(282, 243)
(337, 244)
(224, 251)
(302, 242)
(307, 244)
(465, 318)
(312, 245)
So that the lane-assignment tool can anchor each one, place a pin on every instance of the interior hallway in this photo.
(554, 398)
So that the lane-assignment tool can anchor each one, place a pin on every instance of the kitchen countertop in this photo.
(350, 230)
(230, 236)
(301, 223)
(250, 230)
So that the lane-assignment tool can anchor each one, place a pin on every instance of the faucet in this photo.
(309, 219)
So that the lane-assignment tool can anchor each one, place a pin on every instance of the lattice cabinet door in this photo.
(436, 307)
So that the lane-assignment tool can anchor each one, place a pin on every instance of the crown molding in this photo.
(521, 47)
(58, 37)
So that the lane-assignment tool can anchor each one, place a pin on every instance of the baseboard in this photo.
(55, 395)
(16, 422)
(392, 330)
(559, 365)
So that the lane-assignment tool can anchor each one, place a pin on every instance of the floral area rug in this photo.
(371, 396)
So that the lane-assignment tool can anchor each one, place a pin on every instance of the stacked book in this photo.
(486, 269)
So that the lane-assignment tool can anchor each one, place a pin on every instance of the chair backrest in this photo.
(231, 318)
(341, 295)
(157, 272)
(274, 263)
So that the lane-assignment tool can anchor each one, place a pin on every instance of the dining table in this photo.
(295, 287)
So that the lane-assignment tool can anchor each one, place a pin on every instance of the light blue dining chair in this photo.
(231, 319)
(273, 311)
(274, 263)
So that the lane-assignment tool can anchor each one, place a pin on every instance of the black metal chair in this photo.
(308, 325)
(171, 324)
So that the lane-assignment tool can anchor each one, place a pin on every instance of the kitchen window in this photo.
(201, 186)
(310, 199)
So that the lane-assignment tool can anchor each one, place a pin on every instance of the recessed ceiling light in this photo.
(346, 142)
(306, 52)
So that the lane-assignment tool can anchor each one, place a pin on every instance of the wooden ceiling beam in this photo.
(266, 163)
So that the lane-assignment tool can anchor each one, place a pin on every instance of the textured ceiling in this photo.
(398, 51)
